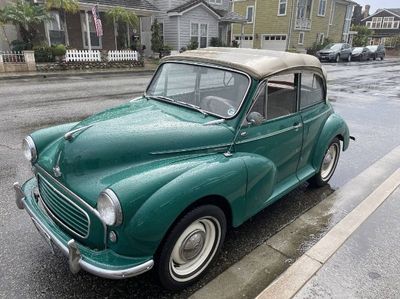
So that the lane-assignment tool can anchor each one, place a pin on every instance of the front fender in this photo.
(191, 180)
(334, 126)
(44, 137)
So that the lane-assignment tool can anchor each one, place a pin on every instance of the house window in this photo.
(282, 7)
(322, 8)
(95, 41)
(369, 24)
(376, 22)
(203, 35)
(332, 15)
(56, 28)
(250, 14)
(303, 9)
(388, 22)
(219, 2)
(199, 34)
(301, 38)
(396, 24)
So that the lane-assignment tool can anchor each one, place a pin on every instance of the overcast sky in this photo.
(375, 4)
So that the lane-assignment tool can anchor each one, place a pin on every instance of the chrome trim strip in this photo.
(32, 148)
(101, 272)
(209, 65)
(80, 200)
(48, 210)
(191, 149)
(268, 135)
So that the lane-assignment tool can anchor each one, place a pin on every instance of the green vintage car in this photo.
(219, 134)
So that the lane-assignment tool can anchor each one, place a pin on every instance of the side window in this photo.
(281, 95)
(312, 90)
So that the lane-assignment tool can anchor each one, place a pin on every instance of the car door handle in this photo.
(297, 125)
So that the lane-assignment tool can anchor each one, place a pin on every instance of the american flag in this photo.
(97, 21)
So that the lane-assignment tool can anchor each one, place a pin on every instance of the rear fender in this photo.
(334, 126)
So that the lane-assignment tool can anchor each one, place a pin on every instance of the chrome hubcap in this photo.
(328, 164)
(192, 245)
(194, 249)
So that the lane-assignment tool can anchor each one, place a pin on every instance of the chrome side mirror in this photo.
(255, 118)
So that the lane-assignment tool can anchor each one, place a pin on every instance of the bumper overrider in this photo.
(105, 263)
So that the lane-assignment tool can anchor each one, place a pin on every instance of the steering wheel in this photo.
(218, 105)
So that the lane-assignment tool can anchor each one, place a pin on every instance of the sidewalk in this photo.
(357, 258)
(368, 264)
(149, 68)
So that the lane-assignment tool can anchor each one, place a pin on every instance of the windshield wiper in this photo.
(182, 103)
(195, 107)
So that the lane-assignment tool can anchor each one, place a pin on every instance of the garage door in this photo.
(275, 42)
(245, 41)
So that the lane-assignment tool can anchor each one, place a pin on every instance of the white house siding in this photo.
(197, 15)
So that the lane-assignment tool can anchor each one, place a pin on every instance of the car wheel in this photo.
(382, 57)
(328, 164)
(337, 58)
(190, 247)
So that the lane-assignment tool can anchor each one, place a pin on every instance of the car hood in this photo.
(327, 51)
(129, 135)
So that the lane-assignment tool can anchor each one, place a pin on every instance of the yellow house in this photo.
(293, 25)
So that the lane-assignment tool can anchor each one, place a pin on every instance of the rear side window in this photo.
(312, 90)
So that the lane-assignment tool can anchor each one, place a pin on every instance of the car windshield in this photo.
(358, 49)
(333, 47)
(206, 89)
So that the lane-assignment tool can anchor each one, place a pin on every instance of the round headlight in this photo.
(109, 208)
(29, 149)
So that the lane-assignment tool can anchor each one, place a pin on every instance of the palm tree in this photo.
(26, 16)
(64, 6)
(119, 15)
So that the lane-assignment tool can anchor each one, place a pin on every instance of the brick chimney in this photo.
(366, 10)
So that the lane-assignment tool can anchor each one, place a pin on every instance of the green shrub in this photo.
(215, 42)
(318, 46)
(59, 50)
(19, 45)
(43, 54)
(235, 44)
(193, 45)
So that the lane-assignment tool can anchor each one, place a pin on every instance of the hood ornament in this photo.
(70, 135)
(56, 169)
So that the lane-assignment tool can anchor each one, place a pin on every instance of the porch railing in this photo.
(82, 55)
(13, 57)
(122, 55)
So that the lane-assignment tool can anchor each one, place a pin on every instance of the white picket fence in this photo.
(12, 57)
(94, 55)
(82, 55)
(122, 55)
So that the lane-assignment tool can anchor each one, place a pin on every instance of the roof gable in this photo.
(182, 9)
(393, 11)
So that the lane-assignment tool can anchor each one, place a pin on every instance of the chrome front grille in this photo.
(64, 210)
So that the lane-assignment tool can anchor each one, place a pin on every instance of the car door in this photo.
(314, 112)
(274, 140)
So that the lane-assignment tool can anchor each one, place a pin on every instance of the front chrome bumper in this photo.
(79, 257)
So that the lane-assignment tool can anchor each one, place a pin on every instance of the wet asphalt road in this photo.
(367, 94)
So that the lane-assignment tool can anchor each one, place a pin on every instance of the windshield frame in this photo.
(208, 65)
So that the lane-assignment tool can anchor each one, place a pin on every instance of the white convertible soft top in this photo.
(257, 63)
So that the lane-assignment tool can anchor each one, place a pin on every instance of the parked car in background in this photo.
(219, 134)
(377, 51)
(335, 52)
(360, 53)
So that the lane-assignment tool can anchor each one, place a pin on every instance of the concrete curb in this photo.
(296, 276)
(73, 74)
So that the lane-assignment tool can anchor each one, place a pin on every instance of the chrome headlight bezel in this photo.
(29, 149)
(109, 208)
